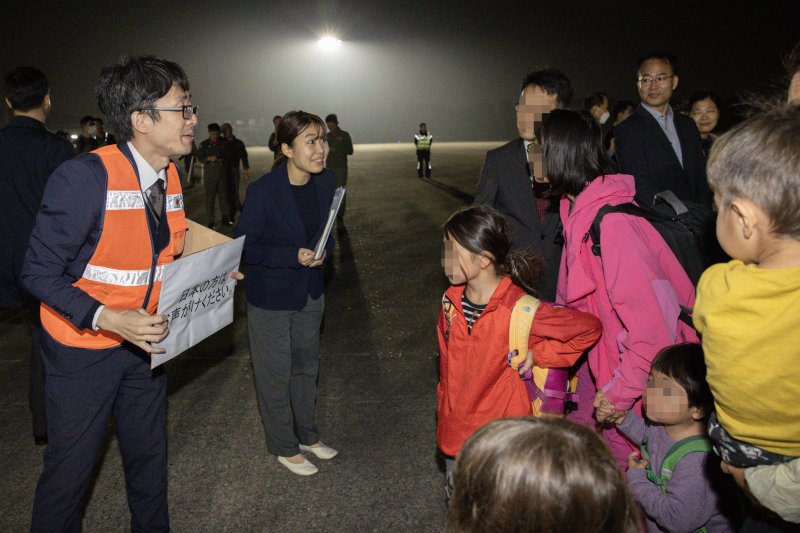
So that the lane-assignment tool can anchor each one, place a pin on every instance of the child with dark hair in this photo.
(671, 479)
(539, 474)
(477, 383)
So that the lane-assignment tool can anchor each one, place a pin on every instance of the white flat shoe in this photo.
(320, 450)
(306, 468)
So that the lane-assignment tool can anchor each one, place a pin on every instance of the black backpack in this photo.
(687, 228)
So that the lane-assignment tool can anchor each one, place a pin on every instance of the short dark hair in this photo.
(662, 55)
(621, 106)
(519, 475)
(85, 119)
(25, 88)
(572, 147)
(702, 95)
(332, 118)
(595, 99)
(214, 127)
(684, 363)
(134, 85)
(759, 160)
(553, 81)
(292, 124)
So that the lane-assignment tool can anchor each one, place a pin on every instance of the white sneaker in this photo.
(320, 450)
(306, 468)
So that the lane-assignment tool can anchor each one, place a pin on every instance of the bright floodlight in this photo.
(329, 43)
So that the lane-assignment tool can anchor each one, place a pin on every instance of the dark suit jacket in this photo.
(274, 232)
(29, 153)
(505, 184)
(644, 151)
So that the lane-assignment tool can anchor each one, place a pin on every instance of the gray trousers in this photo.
(284, 349)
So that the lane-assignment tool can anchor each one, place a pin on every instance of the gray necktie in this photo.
(155, 193)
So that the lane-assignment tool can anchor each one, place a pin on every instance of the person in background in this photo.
(87, 139)
(283, 219)
(103, 137)
(660, 148)
(423, 141)
(523, 475)
(597, 105)
(29, 153)
(340, 145)
(704, 110)
(272, 143)
(506, 183)
(211, 154)
(235, 154)
(622, 110)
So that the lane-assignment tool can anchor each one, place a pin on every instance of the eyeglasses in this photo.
(649, 80)
(188, 110)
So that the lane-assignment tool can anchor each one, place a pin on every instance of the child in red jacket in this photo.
(476, 383)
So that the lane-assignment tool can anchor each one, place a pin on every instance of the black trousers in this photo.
(424, 163)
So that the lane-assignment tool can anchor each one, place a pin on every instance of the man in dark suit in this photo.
(661, 148)
(28, 154)
(506, 183)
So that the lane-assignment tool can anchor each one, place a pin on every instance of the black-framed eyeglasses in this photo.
(649, 80)
(188, 111)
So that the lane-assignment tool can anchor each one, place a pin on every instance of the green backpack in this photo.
(679, 450)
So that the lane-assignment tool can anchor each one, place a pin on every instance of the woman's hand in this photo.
(306, 258)
(605, 411)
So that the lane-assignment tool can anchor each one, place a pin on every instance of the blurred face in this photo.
(656, 83)
(172, 134)
(598, 111)
(213, 135)
(459, 264)
(332, 126)
(308, 149)
(705, 114)
(533, 104)
(625, 114)
(666, 401)
(227, 130)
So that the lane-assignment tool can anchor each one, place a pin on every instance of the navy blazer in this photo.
(274, 232)
(505, 184)
(644, 151)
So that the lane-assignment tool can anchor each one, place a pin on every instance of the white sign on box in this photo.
(197, 293)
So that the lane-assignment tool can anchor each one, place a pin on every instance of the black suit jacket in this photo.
(644, 151)
(505, 184)
(29, 153)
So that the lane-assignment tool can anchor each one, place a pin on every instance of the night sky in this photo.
(455, 65)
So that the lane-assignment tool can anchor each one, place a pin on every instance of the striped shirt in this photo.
(471, 311)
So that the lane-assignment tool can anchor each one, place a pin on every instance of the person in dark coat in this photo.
(28, 154)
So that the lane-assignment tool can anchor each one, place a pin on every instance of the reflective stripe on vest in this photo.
(423, 141)
(122, 269)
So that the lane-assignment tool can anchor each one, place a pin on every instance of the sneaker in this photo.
(306, 468)
(320, 450)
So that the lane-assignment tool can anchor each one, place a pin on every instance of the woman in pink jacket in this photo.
(635, 289)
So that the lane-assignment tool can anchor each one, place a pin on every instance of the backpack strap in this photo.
(449, 311)
(519, 328)
(679, 450)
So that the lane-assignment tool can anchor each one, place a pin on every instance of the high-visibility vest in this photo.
(423, 142)
(123, 272)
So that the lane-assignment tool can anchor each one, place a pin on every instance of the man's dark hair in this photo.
(684, 363)
(662, 55)
(572, 147)
(86, 119)
(332, 118)
(214, 127)
(25, 88)
(595, 99)
(621, 106)
(553, 81)
(135, 85)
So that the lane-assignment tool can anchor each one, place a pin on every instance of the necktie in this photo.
(155, 193)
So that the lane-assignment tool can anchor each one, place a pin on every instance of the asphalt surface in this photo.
(378, 375)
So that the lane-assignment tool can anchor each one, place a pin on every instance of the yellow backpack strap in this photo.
(519, 329)
(449, 310)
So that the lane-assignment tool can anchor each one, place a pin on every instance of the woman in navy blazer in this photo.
(283, 218)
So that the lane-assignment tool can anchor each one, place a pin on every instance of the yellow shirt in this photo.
(749, 318)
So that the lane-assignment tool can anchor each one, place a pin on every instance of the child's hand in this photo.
(527, 365)
(635, 461)
(605, 412)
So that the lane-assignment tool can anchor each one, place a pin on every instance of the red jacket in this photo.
(476, 385)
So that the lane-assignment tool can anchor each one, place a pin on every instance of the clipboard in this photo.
(338, 196)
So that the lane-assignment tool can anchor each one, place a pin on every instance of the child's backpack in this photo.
(679, 450)
(687, 228)
(546, 386)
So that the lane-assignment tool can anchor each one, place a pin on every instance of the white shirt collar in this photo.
(147, 175)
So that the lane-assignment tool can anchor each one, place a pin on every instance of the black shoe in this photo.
(40, 440)
(211, 225)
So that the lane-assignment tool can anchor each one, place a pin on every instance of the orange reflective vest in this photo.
(123, 272)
